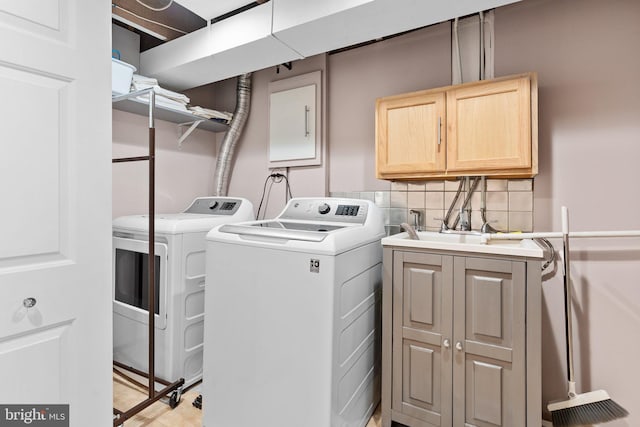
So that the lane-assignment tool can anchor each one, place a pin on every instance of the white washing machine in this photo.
(179, 285)
(292, 332)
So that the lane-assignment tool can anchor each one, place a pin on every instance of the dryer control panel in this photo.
(328, 209)
(214, 206)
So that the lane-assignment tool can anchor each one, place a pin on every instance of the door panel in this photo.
(489, 126)
(34, 151)
(485, 396)
(411, 134)
(422, 318)
(489, 366)
(55, 165)
(37, 379)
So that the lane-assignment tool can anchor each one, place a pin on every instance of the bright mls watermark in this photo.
(34, 415)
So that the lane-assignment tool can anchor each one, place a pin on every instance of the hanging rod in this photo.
(130, 159)
(558, 235)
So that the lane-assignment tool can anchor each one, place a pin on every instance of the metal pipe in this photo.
(567, 293)
(445, 221)
(456, 42)
(466, 201)
(486, 227)
(130, 159)
(123, 416)
(481, 14)
(152, 257)
(225, 156)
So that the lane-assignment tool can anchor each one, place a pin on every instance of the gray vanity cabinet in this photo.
(461, 339)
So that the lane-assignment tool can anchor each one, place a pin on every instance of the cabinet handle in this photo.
(306, 120)
(459, 346)
(446, 343)
(439, 130)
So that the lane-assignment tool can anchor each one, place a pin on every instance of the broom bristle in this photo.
(589, 413)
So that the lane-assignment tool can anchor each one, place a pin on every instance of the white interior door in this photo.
(55, 193)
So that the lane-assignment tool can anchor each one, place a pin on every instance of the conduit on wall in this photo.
(225, 156)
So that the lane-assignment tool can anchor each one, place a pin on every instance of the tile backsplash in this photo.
(509, 204)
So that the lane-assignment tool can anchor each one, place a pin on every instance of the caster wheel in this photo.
(198, 402)
(175, 398)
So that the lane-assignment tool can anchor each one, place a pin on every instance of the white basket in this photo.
(121, 74)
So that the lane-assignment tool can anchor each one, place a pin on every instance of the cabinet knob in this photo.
(459, 346)
(29, 302)
(446, 343)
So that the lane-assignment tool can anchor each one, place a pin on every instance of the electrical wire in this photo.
(264, 191)
(157, 9)
(288, 193)
(147, 19)
(276, 178)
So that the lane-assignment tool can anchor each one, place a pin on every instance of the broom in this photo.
(594, 407)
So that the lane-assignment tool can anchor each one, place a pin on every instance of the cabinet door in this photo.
(489, 126)
(295, 121)
(489, 343)
(421, 364)
(410, 134)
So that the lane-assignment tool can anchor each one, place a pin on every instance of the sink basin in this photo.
(464, 242)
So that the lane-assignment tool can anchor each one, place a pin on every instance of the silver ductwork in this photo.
(225, 156)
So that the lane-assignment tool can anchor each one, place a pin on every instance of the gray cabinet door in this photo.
(422, 313)
(489, 343)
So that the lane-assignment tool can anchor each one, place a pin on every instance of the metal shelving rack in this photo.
(170, 387)
(184, 119)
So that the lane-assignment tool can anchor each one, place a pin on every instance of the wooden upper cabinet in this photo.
(487, 127)
(410, 132)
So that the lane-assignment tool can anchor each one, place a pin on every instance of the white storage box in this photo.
(121, 74)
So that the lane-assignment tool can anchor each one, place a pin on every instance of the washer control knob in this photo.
(324, 208)
(213, 204)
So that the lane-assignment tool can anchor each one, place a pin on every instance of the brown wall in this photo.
(586, 56)
(585, 53)
(406, 63)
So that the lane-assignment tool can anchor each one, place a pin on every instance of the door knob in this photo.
(446, 343)
(459, 346)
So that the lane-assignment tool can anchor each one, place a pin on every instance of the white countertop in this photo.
(474, 243)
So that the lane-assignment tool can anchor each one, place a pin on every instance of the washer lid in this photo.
(305, 231)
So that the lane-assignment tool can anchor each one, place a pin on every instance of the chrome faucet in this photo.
(486, 227)
(465, 219)
(417, 218)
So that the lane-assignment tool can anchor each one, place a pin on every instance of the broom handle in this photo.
(567, 293)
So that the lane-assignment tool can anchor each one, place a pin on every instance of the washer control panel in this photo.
(214, 206)
(327, 209)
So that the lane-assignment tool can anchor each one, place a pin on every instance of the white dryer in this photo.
(179, 285)
(292, 332)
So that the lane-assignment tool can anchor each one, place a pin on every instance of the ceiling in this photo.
(180, 17)
(209, 9)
